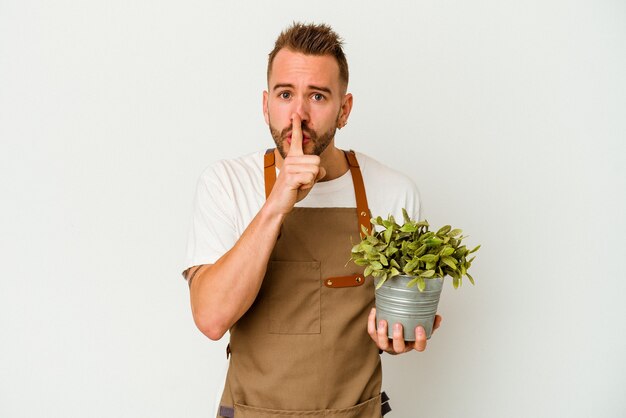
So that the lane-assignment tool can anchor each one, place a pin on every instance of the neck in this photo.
(332, 159)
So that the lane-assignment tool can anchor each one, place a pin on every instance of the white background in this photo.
(510, 117)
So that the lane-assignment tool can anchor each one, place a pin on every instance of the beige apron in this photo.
(302, 349)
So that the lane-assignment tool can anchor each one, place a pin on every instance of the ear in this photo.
(266, 113)
(346, 108)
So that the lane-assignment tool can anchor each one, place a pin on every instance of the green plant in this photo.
(413, 250)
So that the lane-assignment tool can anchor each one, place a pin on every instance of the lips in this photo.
(305, 139)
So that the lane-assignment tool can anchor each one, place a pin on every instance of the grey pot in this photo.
(395, 302)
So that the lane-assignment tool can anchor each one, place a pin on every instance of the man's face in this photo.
(309, 86)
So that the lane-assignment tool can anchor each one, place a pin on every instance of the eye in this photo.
(318, 97)
(285, 95)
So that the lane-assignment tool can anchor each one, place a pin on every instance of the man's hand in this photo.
(397, 345)
(298, 174)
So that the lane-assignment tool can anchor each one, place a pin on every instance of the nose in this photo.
(302, 109)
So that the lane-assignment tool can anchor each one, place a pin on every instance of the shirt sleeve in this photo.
(389, 191)
(212, 232)
(413, 202)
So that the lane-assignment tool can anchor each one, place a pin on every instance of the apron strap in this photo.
(362, 209)
(269, 171)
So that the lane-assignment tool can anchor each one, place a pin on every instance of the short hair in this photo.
(311, 39)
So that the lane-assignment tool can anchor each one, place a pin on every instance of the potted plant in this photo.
(410, 263)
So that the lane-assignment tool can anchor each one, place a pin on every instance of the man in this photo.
(267, 253)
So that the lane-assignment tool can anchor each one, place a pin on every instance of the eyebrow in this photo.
(310, 87)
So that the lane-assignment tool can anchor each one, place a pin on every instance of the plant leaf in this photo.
(449, 261)
(421, 250)
(410, 266)
(460, 252)
(434, 241)
(372, 239)
(429, 258)
(426, 236)
(421, 284)
(372, 256)
(390, 250)
(388, 234)
(361, 262)
(447, 250)
(475, 249)
(453, 273)
(406, 216)
(471, 279)
(444, 230)
(455, 232)
(376, 265)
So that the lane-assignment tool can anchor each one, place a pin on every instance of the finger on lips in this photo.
(295, 147)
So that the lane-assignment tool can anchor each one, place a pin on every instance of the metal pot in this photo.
(395, 302)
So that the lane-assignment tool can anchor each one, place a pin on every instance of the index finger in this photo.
(295, 148)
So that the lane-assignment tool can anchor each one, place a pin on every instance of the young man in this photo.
(267, 252)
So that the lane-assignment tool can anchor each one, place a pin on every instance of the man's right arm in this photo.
(221, 293)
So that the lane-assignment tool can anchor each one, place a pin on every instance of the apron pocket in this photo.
(294, 297)
(367, 409)
(244, 411)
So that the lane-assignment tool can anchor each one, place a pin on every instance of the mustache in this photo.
(305, 131)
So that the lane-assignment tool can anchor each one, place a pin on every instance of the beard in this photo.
(320, 141)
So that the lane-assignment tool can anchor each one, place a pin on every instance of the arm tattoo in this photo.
(191, 274)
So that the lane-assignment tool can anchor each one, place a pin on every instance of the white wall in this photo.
(510, 116)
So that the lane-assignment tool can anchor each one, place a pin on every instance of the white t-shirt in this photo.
(230, 193)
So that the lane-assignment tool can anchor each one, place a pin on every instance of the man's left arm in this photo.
(400, 192)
